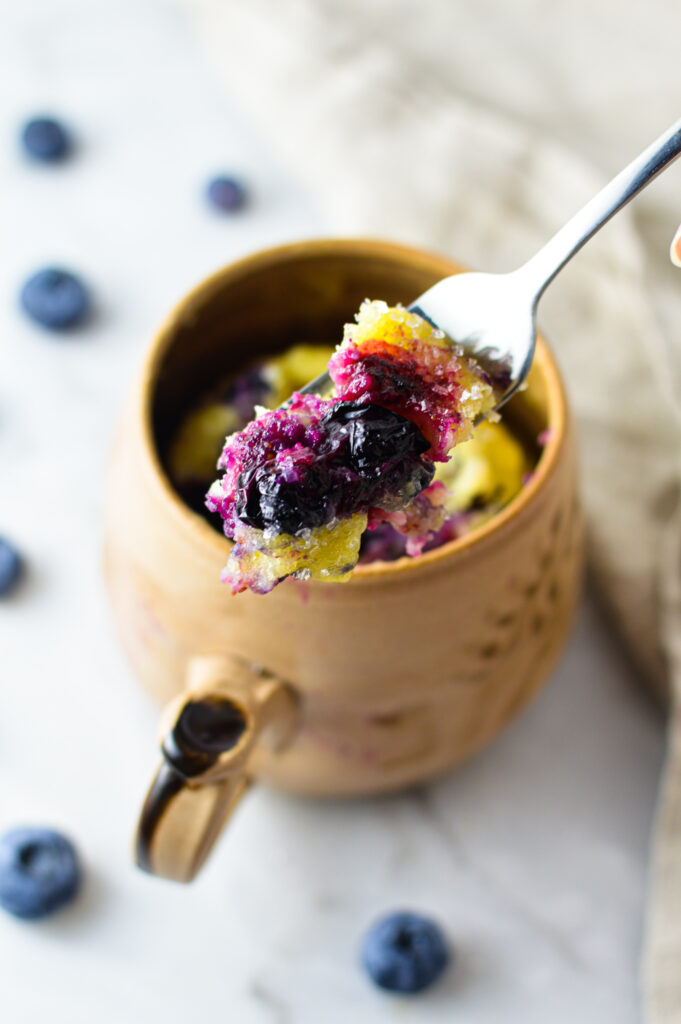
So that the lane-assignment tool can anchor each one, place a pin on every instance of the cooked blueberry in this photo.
(404, 952)
(10, 566)
(246, 391)
(226, 193)
(39, 872)
(376, 435)
(55, 298)
(45, 139)
(402, 480)
(286, 501)
(355, 457)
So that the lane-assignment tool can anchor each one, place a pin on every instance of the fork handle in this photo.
(544, 265)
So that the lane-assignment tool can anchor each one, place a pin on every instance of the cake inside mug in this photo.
(388, 465)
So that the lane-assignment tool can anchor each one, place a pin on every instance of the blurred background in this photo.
(475, 129)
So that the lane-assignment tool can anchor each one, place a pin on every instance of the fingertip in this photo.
(675, 248)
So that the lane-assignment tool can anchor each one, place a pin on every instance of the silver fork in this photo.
(493, 316)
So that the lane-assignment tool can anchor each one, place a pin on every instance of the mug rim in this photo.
(378, 571)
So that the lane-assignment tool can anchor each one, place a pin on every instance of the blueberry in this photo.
(249, 389)
(10, 566)
(55, 298)
(357, 456)
(376, 435)
(404, 952)
(226, 193)
(267, 499)
(39, 872)
(45, 139)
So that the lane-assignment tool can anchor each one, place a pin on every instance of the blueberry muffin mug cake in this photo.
(435, 639)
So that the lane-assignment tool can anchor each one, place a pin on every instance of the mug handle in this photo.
(208, 738)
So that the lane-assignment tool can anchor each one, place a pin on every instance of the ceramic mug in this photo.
(322, 688)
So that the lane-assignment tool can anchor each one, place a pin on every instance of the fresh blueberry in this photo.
(45, 139)
(10, 566)
(226, 193)
(55, 298)
(404, 952)
(39, 872)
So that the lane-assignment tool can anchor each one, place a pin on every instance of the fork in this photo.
(493, 317)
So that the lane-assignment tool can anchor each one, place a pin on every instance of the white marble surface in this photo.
(533, 856)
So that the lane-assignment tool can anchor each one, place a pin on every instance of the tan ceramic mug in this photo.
(322, 688)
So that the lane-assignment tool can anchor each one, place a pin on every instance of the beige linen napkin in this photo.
(374, 131)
